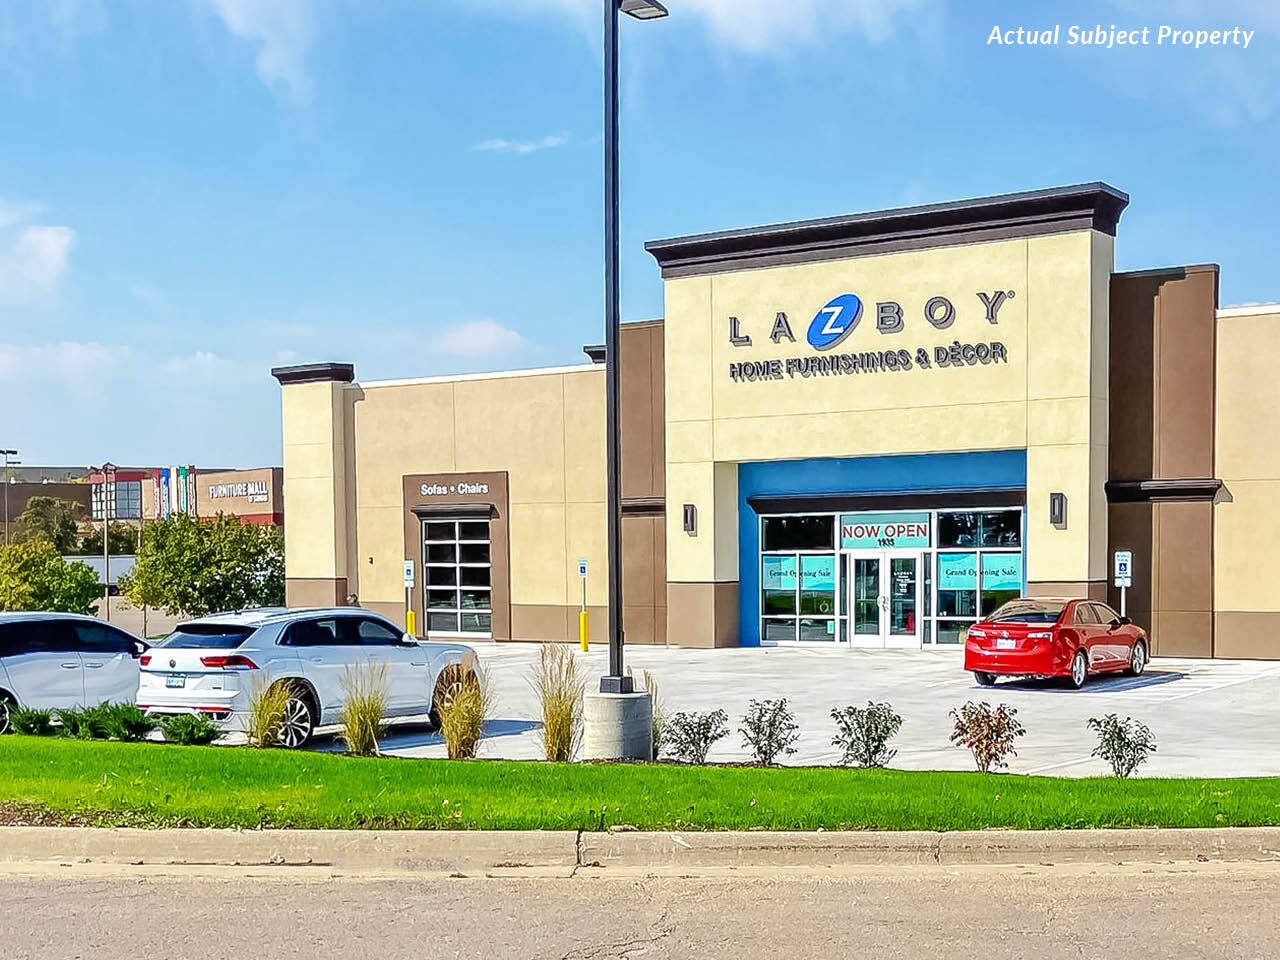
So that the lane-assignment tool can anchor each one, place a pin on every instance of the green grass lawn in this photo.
(167, 785)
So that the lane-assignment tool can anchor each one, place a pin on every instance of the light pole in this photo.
(108, 470)
(7, 464)
(616, 680)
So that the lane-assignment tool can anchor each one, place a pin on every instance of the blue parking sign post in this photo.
(1123, 575)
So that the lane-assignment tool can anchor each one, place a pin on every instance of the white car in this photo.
(59, 660)
(212, 665)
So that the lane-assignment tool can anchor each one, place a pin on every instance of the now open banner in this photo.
(876, 531)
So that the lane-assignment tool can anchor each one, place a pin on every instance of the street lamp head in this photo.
(644, 9)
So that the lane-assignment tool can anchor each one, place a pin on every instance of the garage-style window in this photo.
(458, 582)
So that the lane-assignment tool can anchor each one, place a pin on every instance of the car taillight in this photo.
(975, 632)
(145, 659)
(1042, 635)
(232, 661)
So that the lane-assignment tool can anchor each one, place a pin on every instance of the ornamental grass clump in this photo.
(267, 704)
(464, 711)
(988, 732)
(1125, 744)
(190, 729)
(863, 734)
(87, 723)
(127, 723)
(691, 736)
(559, 685)
(366, 690)
(31, 722)
(769, 729)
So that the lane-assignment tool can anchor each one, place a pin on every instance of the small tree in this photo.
(1125, 744)
(988, 733)
(690, 736)
(53, 520)
(769, 728)
(34, 576)
(197, 567)
(863, 734)
(122, 537)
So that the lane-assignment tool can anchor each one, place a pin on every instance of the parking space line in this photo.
(1229, 683)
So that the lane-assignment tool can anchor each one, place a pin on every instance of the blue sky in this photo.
(196, 190)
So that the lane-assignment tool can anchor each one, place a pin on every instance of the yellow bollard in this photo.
(408, 624)
(582, 630)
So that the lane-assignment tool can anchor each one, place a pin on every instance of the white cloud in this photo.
(756, 26)
(33, 262)
(499, 145)
(63, 362)
(479, 338)
(282, 31)
(15, 213)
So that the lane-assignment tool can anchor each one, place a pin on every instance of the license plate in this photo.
(1005, 643)
(175, 681)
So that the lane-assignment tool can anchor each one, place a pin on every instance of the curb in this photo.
(565, 853)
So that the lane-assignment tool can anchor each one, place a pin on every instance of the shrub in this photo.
(127, 723)
(88, 723)
(650, 686)
(988, 732)
(863, 734)
(1125, 744)
(691, 735)
(31, 722)
(267, 704)
(365, 686)
(191, 729)
(559, 686)
(769, 728)
(463, 715)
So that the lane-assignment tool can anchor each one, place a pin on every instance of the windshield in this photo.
(206, 636)
(1029, 611)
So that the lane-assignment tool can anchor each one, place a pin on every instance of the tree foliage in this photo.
(123, 538)
(51, 519)
(187, 566)
(34, 576)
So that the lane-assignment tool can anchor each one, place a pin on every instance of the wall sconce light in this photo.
(1058, 509)
(691, 519)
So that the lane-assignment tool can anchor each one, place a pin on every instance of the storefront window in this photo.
(1002, 528)
(798, 533)
(778, 630)
(803, 584)
(957, 584)
(958, 529)
(1001, 579)
(990, 528)
(458, 578)
(953, 631)
(818, 585)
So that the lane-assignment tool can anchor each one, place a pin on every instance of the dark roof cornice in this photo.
(1085, 206)
(315, 373)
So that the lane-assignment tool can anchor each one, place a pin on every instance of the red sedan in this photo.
(1054, 638)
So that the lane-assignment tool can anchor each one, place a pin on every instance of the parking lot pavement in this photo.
(1216, 718)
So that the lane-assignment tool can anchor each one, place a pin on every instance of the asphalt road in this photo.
(1192, 910)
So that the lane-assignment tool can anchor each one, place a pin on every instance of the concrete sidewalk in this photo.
(571, 853)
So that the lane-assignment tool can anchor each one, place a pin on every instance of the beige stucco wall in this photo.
(1246, 575)
(545, 429)
(315, 481)
(1050, 397)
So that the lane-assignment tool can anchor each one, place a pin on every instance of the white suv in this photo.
(211, 665)
(57, 660)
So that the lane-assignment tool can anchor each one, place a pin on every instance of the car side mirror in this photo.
(408, 639)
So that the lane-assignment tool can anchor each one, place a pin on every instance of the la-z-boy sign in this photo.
(843, 314)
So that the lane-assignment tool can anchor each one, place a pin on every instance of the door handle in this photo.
(95, 666)
(417, 663)
(70, 666)
(316, 659)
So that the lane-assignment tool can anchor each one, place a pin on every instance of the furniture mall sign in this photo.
(841, 316)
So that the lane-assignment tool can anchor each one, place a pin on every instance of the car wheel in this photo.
(452, 679)
(984, 679)
(6, 704)
(1079, 670)
(299, 721)
(1138, 659)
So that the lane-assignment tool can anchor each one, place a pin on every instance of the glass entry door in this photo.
(884, 598)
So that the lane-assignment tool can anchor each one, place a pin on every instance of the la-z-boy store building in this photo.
(869, 429)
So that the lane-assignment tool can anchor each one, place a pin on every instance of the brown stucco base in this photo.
(315, 591)
(703, 615)
(546, 622)
(1075, 589)
(1247, 634)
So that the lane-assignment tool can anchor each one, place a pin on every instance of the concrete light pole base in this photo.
(618, 726)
